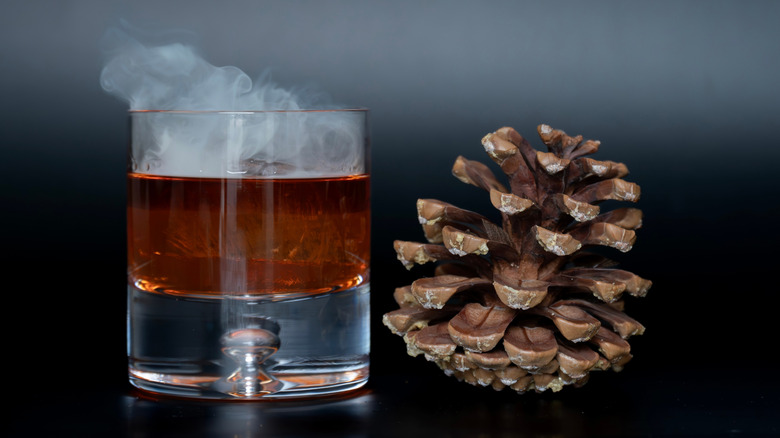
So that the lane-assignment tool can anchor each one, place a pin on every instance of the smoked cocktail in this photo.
(248, 252)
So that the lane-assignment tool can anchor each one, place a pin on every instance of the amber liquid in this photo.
(244, 236)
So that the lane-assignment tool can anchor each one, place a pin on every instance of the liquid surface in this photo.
(242, 236)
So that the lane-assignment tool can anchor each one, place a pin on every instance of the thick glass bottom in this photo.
(297, 385)
(240, 349)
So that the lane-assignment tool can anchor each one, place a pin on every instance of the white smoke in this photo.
(191, 118)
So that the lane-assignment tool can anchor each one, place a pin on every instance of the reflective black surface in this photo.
(394, 405)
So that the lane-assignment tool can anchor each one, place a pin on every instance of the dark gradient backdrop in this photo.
(685, 92)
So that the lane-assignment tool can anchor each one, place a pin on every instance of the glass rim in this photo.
(234, 112)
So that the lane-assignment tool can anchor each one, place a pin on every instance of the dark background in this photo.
(684, 92)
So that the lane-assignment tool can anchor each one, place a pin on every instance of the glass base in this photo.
(237, 349)
(290, 386)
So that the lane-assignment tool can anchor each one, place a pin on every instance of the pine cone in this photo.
(520, 305)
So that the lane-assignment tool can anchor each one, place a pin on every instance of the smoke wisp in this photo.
(191, 118)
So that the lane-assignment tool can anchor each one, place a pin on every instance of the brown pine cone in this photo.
(522, 305)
